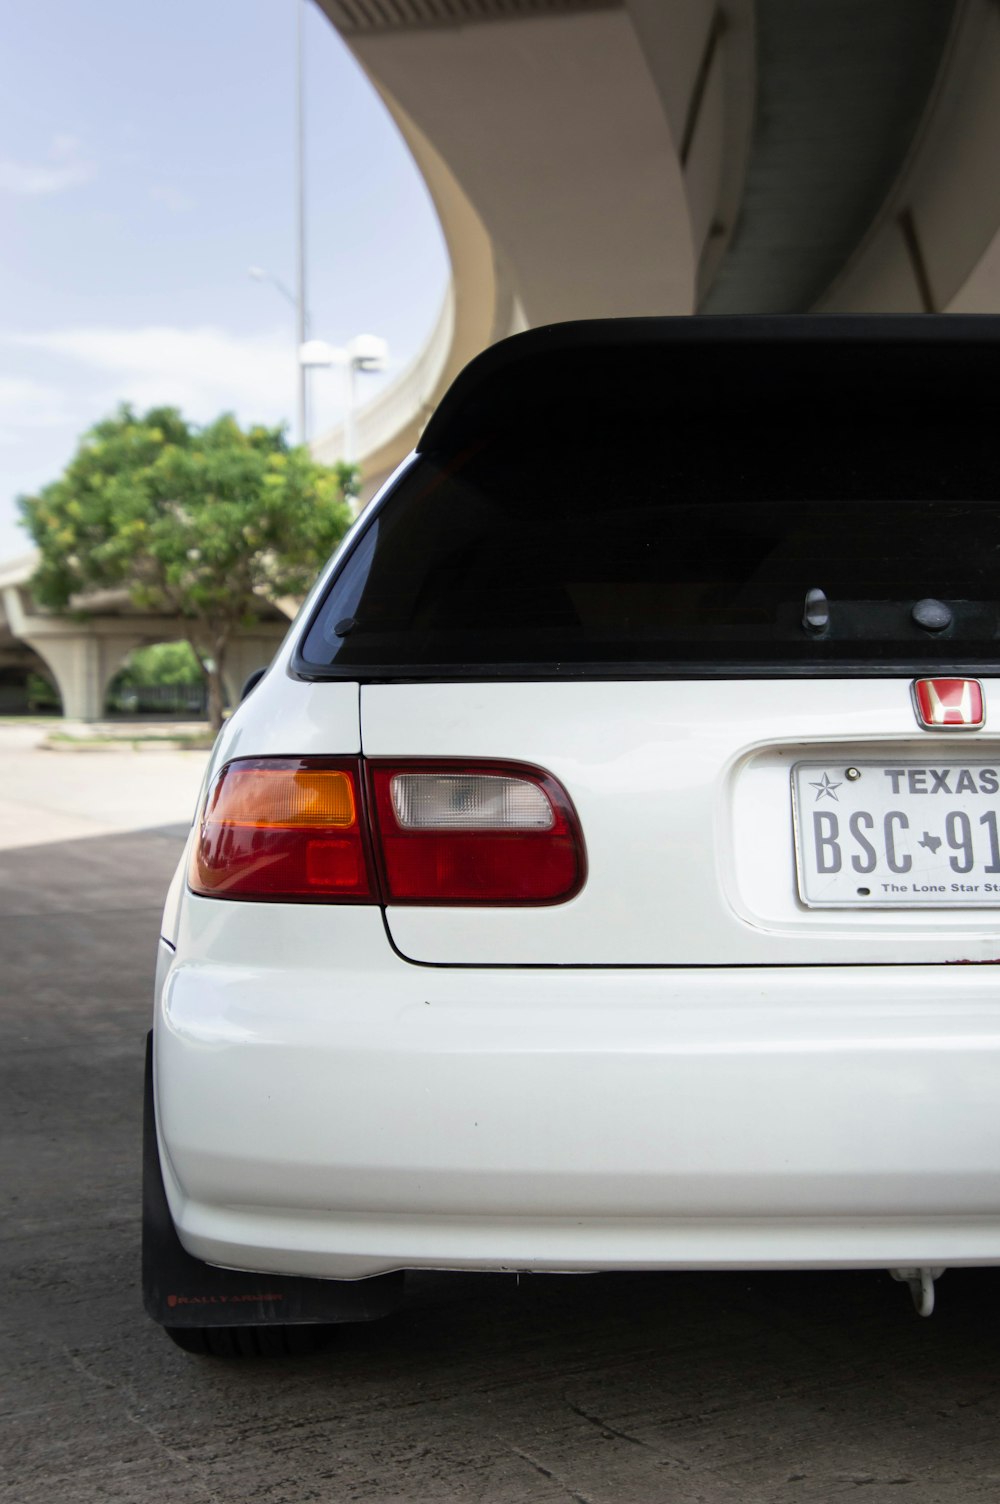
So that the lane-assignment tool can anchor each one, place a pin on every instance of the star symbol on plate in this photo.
(931, 842)
(826, 787)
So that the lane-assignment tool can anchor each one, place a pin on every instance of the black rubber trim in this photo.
(519, 673)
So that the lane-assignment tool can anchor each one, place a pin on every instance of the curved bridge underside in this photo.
(607, 158)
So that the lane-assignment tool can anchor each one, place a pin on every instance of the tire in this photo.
(250, 1341)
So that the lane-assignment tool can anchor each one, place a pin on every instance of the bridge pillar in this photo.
(247, 652)
(82, 653)
(83, 666)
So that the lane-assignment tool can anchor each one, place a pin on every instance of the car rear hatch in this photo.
(692, 569)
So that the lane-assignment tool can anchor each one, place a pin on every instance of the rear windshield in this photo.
(656, 553)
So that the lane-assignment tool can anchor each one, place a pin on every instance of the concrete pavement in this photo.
(50, 796)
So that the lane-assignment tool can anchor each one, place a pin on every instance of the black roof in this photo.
(564, 379)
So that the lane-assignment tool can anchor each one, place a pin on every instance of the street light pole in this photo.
(367, 353)
(352, 392)
(301, 329)
(261, 274)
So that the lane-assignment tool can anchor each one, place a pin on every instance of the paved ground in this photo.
(58, 796)
(602, 1390)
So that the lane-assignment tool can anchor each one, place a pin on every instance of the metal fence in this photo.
(159, 699)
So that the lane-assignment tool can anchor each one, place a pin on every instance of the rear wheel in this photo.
(250, 1341)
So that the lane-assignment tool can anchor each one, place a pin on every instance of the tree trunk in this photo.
(216, 686)
(216, 697)
(211, 667)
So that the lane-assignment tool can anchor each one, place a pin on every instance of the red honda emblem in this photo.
(955, 703)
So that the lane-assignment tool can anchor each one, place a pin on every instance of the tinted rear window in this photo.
(648, 551)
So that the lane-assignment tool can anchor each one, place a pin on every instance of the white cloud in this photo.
(66, 167)
(29, 404)
(36, 181)
(202, 371)
(172, 199)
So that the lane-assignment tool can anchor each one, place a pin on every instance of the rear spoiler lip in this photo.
(617, 339)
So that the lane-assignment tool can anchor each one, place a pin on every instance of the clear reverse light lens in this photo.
(487, 801)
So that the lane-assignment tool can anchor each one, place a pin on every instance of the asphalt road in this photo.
(599, 1389)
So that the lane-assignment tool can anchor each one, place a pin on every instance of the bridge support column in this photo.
(244, 654)
(82, 653)
(83, 666)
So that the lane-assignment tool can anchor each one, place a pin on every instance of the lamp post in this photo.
(366, 353)
(298, 298)
(301, 315)
(261, 274)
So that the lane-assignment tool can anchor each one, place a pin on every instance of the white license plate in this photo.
(887, 834)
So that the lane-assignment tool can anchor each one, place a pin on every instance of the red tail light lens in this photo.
(286, 828)
(450, 833)
(296, 829)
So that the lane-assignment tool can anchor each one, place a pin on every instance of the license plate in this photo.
(897, 834)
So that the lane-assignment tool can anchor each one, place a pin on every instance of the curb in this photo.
(119, 746)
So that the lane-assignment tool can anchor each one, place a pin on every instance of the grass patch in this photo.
(191, 742)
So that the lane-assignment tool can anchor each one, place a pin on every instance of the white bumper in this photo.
(326, 1108)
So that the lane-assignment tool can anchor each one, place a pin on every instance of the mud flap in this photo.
(181, 1291)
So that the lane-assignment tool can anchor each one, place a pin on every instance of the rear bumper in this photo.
(349, 1118)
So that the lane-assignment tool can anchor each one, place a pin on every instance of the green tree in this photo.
(202, 522)
(160, 663)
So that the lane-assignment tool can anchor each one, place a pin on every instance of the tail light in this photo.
(284, 828)
(314, 830)
(481, 834)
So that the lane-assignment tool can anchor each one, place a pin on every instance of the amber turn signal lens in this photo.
(285, 829)
(283, 797)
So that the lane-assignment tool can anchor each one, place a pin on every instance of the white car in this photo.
(605, 874)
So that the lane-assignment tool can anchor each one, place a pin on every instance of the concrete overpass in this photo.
(80, 652)
(593, 158)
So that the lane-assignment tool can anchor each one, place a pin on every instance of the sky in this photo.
(146, 162)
